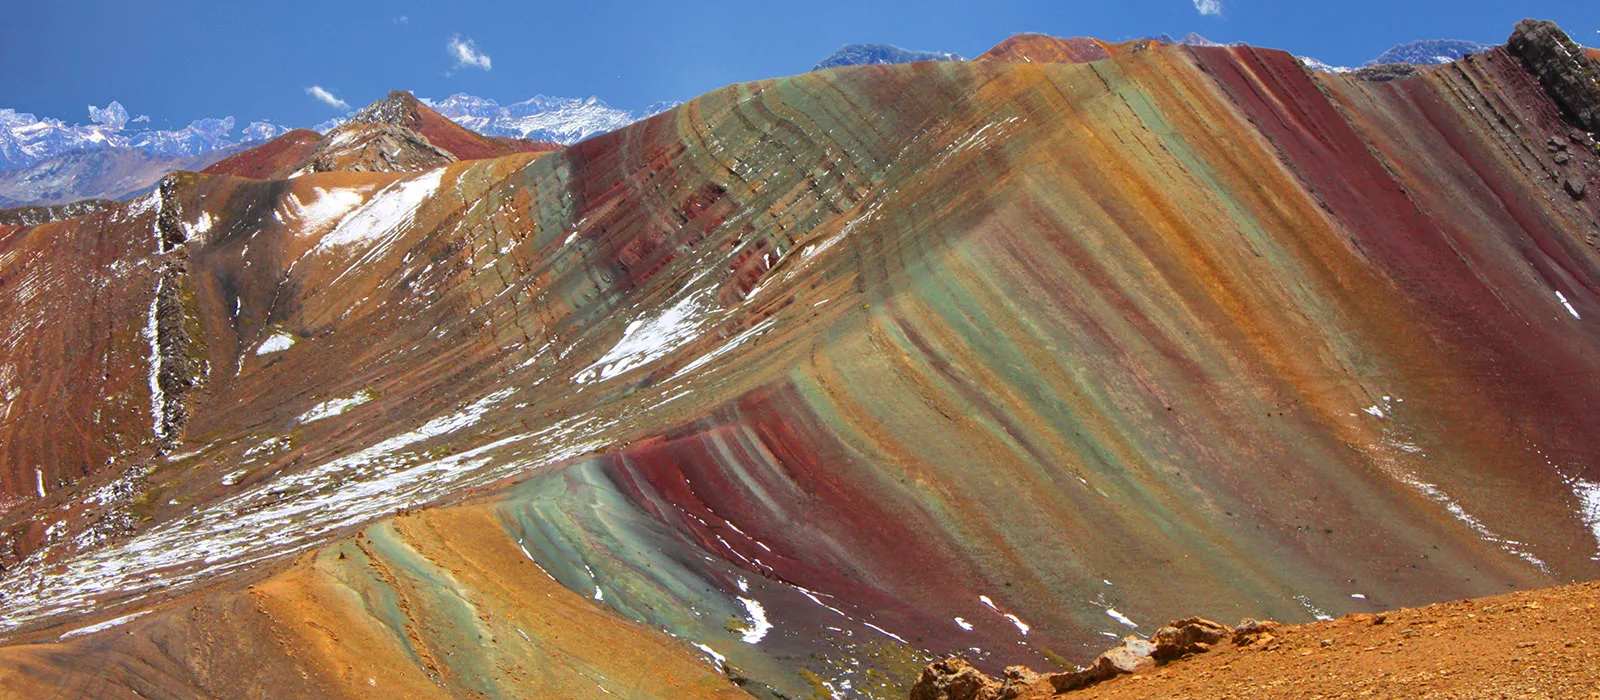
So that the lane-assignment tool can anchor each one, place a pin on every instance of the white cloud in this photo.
(467, 53)
(326, 97)
(1208, 7)
(402, 19)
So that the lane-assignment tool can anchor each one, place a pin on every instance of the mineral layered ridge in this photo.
(810, 381)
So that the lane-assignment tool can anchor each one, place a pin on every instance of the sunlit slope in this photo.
(823, 373)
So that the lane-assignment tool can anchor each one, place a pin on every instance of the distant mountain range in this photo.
(47, 161)
(1429, 52)
(1425, 52)
(26, 139)
(880, 54)
(1190, 39)
(562, 120)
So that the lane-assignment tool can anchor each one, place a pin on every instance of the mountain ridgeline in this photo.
(801, 384)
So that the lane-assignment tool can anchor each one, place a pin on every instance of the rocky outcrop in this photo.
(1529, 644)
(404, 110)
(361, 147)
(1192, 635)
(956, 679)
(173, 373)
(1567, 72)
(1383, 73)
(396, 134)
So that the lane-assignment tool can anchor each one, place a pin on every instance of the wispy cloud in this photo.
(1208, 7)
(467, 54)
(326, 97)
(402, 19)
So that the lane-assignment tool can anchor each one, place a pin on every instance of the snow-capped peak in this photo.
(26, 139)
(564, 120)
(113, 116)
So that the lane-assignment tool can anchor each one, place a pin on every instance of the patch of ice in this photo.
(1433, 493)
(326, 207)
(334, 407)
(886, 633)
(718, 660)
(158, 401)
(277, 342)
(1588, 493)
(389, 211)
(646, 340)
(759, 626)
(963, 624)
(1563, 299)
(108, 624)
(1315, 611)
(1119, 617)
(724, 348)
(199, 228)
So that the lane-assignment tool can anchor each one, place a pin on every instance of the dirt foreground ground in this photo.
(1533, 644)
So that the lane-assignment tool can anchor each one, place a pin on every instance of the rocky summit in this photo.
(810, 382)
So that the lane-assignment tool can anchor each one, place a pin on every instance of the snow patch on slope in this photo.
(324, 209)
(646, 340)
(388, 212)
(277, 342)
(334, 407)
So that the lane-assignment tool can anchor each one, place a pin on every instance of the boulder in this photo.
(954, 679)
(1134, 653)
(1191, 635)
(1567, 73)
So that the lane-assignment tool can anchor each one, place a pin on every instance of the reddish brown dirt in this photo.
(456, 139)
(273, 159)
(1534, 644)
(1039, 48)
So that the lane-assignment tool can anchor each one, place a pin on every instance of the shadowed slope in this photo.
(831, 372)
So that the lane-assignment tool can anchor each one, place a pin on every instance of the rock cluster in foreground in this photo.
(955, 679)
(1531, 644)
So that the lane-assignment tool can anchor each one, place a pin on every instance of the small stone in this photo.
(1577, 188)
(1252, 631)
(1327, 643)
(1561, 158)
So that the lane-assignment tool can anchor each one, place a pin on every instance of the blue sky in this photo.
(184, 59)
